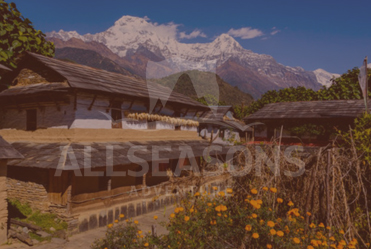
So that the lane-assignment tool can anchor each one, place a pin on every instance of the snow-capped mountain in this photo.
(137, 39)
(324, 77)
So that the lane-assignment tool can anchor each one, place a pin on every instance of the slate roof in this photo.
(92, 79)
(35, 88)
(310, 110)
(215, 116)
(49, 155)
(7, 151)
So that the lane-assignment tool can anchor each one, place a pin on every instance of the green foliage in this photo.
(43, 220)
(17, 35)
(360, 134)
(209, 99)
(24, 209)
(290, 94)
(344, 87)
(47, 220)
(214, 220)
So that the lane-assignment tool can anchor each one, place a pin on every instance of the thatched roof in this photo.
(310, 110)
(7, 151)
(90, 79)
(48, 155)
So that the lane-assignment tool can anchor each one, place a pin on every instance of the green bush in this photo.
(24, 209)
(207, 221)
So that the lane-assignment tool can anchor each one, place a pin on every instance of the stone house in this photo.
(326, 114)
(95, 142)
(219, 125)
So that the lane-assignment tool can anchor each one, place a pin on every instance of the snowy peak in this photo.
(65, 35)
(324, 77)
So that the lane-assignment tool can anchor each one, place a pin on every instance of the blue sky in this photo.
(333, 35)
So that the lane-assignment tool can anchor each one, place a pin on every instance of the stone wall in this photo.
(29, 185)
(47, 117)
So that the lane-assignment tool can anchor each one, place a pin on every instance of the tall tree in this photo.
(17, 35)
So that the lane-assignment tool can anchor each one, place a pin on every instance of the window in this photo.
(116, 114)
(31, 120)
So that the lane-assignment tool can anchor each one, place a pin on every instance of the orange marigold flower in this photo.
(290, 203)
(270, 223)
(341, 231)
(136, 222)
(146, 244)
(215, 188)
(221, 193)
(110, 225)
(332, 238)
(191, 210)
(279, 200)
(310, 247)
(122, 216)
(269, 246)
(265, 188)
(280, 233)
(248, 228)
(312, 225)
(321, 225)
(272, 232)
(254, 216)
(273, 190)
(229, 190)
(186, 218)
(254, 191)
(219, 214)
(197, 194)
(139, 232)
(296, 240)
(172, 215)
(116, 221)
(255, 235)
(209, 204)
(309, 214)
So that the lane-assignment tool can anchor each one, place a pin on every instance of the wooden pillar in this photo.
(144, 181)
(253, 134)
(3, 203)
(69, 193)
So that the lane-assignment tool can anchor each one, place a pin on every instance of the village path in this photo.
(85, 240)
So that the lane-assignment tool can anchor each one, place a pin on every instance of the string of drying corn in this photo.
(165, 119)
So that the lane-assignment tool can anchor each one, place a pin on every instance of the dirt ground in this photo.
(84, 240)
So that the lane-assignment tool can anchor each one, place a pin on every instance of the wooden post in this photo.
(3, 203)
(109, 183)
(69, 193)
(253, 134)
(328, 188)
(144, 181)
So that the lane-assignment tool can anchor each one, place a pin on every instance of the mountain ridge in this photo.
(136, 41)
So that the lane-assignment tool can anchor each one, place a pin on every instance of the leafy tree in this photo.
(209, 99)
(344, 87)
(17, 35)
